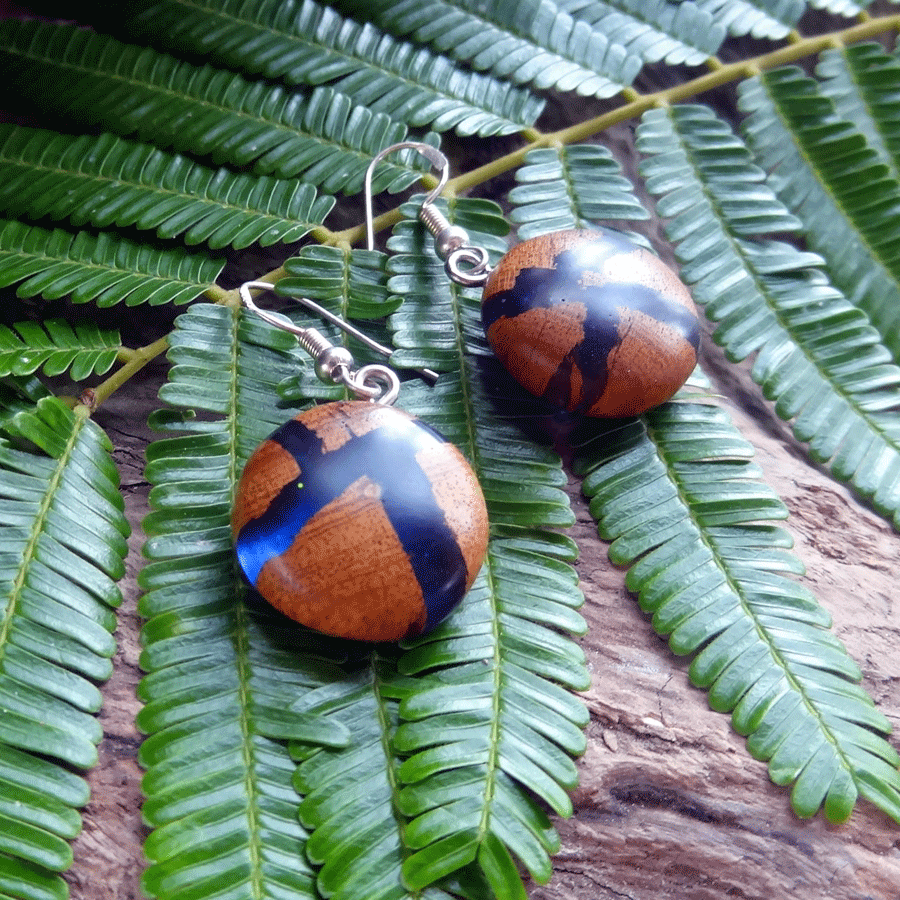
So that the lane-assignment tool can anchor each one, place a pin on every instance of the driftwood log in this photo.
(670, 803)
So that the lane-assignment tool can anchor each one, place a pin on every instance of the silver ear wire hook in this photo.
(465, 264)
(333, 364)
(432, 154)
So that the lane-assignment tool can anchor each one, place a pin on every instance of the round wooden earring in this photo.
(360, 521)
(355, 518)
(585, 319)
(591, 322)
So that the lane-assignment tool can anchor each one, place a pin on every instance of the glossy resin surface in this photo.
(360, 521)
(591, 322)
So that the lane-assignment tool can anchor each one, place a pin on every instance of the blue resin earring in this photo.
(355, 518)
(585, 319)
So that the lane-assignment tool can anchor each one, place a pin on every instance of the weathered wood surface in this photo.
(670, 803)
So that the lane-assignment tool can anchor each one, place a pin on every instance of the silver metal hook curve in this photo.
(432, 154)
(373, 382)
(286, 325)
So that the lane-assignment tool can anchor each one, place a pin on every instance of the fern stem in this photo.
(125, 354)
(217, 294)
(718, 77)
(240, 643)
(138, 359)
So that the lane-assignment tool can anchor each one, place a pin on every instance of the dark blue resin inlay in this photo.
(386, 457)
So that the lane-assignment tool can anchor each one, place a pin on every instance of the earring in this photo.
(355, 518)
(585, 319)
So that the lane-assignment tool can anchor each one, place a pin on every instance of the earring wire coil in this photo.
(450, 241)
(333, 364)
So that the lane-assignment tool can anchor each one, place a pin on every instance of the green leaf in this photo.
(103, 268)
(62, 545)
(817, 356)
(106, 181)
(861, 81)
(825, 171)
(762, 644)
(56, 347)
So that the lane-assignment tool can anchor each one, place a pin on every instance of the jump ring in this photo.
(477, 268)
(373, 382)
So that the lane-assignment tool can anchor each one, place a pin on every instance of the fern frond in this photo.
(862, 81)
(303, 42)
(675, 493)
(105, 267)
(682, 34)
(570, 187)
(818, 357)
(88, 77)
(772, 19)
(531, 42)
(104, 181)
(62, 546)
(824, 171)
(221, 672)
(57, 347)
(475, 734)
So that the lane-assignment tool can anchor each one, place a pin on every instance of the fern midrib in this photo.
(493, 760)
(735, 586)
(241, 644)
(81, 415)
(571, 189)
(463, 363)
(255, 844)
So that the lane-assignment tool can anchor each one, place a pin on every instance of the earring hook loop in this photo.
(464, 263)
(373, 382)
(432, 154)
